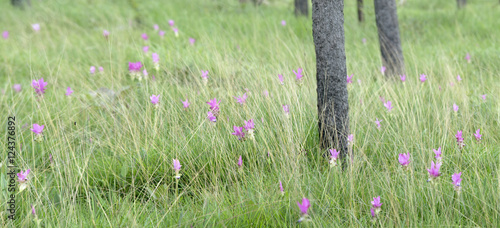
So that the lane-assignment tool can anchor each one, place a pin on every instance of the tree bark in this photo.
(361, 17)
(333, 107)
(388, 35)
(461, 3)
(301, 8)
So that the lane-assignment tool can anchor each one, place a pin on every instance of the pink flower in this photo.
(186, 103)
(455, 107)
(204, 74)
(5, 34)
(456, 179)
(266, 93)
(434, 170)
(40, 86)
(171, 23)
(423, 78)
(23, 176)
(477, 135)
(459, 138)
(105, 33)
(17, 87)
(37, 129)
(156, 27)
(363, 40)
(281, 188)
(403, 77)
(238, 131)
(404, 159)
(191, 41)
(334, 154)
(145, 36)
(286, 109)
(298, 75)
(483, 97)
(69, 91)
(33, 212)
(156, 57)
(145, 49)
(134, 67)
(382, 70)
(240, 161)
(214, 105)
(376, 202)
(36, 27)
(283, 22)
(467, 57)
(177, 165)
(155, 99)
(249, 125)
(176, 31)
(388, 105)
(280, 77)
(350, 139)
(438, 153)
(92, 69)
(241, 99)
(101, 69)
(304, 206)
(145, 73)
(378, 123)
(372, 211)
(459, 78)
(211, 117)
(161, 33)
(349, 78)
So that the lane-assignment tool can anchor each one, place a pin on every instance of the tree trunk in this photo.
(361, 18)
(20, 3)
(461, 3)
(388, 36)
(301, 8)
(333, 108)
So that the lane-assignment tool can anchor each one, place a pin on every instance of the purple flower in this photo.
(177, 165)
(249, 125)
(211, 117)
(92, 69)
(204, 74)
(350, 139)
(280, 77)
(459, 138)
(298, 75)
(286, 109)
(155, 99)
(376, 202)
(156, 58)
(191, 41)
(334, 154)
(238, 131)
(349, 78)
(214, 105)
(23, 176)
(403, 77)
(467, 57)
(36, 27)
(240, 161)
(434, 170)
(33, 212)
(145, 49)
(372, 211)
(145, 73)
(176, 31)
(283, 22)
(378, 122)
(105, 33)
(483, 97)
(404, 159)
(455, 107)
(5, 34)
(423, 78)
(456, 179)
(134, 67)
(101, 69)
(382, 69)
(459, 78)
(145, 36)
(477, 135)
(388, 105)
(438, 153)
(156, 27)
(186, 103)
(69, 91)
(17, 87)
(304, 206)
(171, 23)
(161, 33)
(281, 188)
(242, 99)
(40, 86)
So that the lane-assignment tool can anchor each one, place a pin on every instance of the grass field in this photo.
(106, 160)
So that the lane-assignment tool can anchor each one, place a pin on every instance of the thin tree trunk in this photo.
(301, 8)
(461, 3)
(388, 35)
(333, 108)
(361, 17)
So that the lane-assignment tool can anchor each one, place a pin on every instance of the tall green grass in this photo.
(113, 157)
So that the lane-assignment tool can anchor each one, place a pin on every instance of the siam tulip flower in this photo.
(388, 105)
(483, 97)
(434, 171)
(283, 22)
(266, 93)
(101, 69)
(363, 40)
(372, 211)
(403, 77)
(240, 162)
(161, 33)
(438, 154)
(177, 168)
(467, 57)
(211, 117)
(350, 139)
(155, 99)
(359, 81)
(477, 135)
(204, 77)
(135, 69)
(69, 91)
(156, 61)
(376, 206)
(191, 41)
(280, 77)
(176, 31)
(249, 126)
(17, 87)
(349, 78)
(23, 176)
(404, 159)
(286, 109)
(304, 207)
(185, 104)
(459, 78)
(144, 74)
(456, 181)
(214, 106)
(298, 75)
(455, 107)
(242, 99)
(460, 139)
(33, 212)
(145, 49)
(156, 27)
(105, 33)
(40, 86)
(92, 69)
(382, 69)
(423, 78)
(36, 27)
(171, 23)
(382, 99)
(238, 131)
(51, 158)
(281, 186)
(5, 34)
(334, 154)
(145, 36)
(378, 123)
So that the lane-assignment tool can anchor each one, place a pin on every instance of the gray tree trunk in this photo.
(361, 17)
(388, 35)
(301, 8)
(333, 108)
(461, 3)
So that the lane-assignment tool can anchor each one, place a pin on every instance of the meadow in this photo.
(105, 155)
